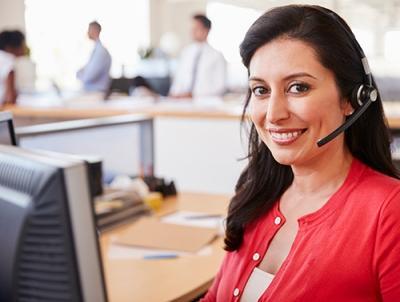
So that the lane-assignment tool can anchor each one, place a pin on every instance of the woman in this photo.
(310, 223)
(12, 44)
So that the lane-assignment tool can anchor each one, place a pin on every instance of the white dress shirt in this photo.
(201, 71)
(7, 62)
(95, 76)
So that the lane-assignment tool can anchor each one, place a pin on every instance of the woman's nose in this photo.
(277, 108)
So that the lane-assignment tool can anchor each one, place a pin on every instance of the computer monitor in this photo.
(7, 134)
(49, 246)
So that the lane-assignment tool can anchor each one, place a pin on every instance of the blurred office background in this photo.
(145, 37)
(56, 35)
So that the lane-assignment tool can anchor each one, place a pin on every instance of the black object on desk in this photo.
(157, 184)
(7, 133)
(118, 207)
(95, 172)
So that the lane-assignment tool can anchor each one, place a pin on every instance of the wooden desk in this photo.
(181, 279)
(80, 109)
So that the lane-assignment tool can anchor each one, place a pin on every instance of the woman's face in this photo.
(295, 102)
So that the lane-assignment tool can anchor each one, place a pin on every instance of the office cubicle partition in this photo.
(124, 143)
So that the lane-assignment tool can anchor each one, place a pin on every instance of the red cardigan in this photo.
(347, 251)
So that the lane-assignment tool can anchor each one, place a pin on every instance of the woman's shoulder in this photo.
(378, 180)
(374, 185)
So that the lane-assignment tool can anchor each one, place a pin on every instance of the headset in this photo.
(365, 93)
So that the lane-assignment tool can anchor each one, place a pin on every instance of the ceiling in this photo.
(385, 12)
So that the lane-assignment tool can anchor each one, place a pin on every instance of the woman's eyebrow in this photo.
(255, 79)
(299, 75)
(288, 77)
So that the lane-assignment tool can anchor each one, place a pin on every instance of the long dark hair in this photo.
(264, 180)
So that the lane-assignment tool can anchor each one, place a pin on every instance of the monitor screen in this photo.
(49, 244)
(7, 135)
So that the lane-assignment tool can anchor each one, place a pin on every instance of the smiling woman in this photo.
(311, 222)
(295, 102)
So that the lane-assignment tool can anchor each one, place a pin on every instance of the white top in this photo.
(257, 284)
(6, 65)
(210, 72)
(25, 74)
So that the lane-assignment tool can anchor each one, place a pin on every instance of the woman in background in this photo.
(12, 44)
(309, 222)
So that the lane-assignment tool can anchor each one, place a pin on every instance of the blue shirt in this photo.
(95, 75)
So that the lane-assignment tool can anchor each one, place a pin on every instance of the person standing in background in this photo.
(202, 69)
(95, 75)
(12, 45)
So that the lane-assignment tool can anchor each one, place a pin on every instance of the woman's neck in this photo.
(323, 175)
(314, 184)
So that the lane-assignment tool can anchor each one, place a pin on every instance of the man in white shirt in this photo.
(12, 45)
(95, 75)
(202, 69)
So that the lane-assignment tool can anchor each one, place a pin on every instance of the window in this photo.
(366, 40)
(56, 35)
(230, 24)
(392, 45)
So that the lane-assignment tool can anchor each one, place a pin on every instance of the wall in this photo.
(199, 154)
(166, 15)
(173, 16)
(12, 14)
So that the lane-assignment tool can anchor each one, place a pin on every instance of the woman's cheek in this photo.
(257, 112)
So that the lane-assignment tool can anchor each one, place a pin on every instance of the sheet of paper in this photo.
(116, 251)
(196, 219)
(152, 233)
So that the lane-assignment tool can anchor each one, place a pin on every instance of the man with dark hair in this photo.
(94, 25)
(203, 20)
(95, 74)
(12, 45)
(202, 69)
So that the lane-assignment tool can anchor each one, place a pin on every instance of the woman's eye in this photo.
(298, 88)
(259, 91)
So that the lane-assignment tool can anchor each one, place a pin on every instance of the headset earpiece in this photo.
(364, 93)
(372, 93)
(356, 96)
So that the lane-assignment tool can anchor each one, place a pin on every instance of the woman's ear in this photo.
(347, 108)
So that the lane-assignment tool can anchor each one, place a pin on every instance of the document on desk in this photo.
(117, 251)
(196, 219)
(152, 233)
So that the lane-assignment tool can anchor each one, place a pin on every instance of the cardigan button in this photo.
(256, 256)
(236, 292)
(277, 220)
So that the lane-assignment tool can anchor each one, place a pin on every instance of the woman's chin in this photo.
(284, 160)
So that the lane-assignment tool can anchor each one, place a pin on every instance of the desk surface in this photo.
(81, 108)
(91, 108)
(181, 279)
